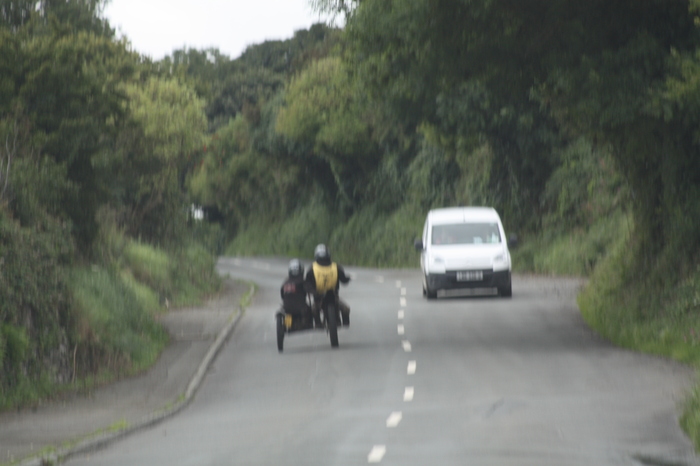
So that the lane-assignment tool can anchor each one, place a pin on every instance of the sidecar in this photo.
(287, 322)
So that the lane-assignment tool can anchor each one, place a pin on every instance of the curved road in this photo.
(456, 381)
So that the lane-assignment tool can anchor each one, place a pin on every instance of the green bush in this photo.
(572, 253)
(178, 278)
(64, 326)
(369, 237)
(209, 235)
(635, 308)
(690, 419)
(297, 235)
(35, 312)
(378, 239)
(2, 348)
(193, 275)
(115, 327)
(14, 342)
(583, 189)
(149, 298)
(150, 266)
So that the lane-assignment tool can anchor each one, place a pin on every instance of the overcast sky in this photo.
(157, 27)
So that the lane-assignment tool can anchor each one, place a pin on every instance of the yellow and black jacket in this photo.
(325, 277)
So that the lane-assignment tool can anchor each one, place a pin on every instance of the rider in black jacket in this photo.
(293, 291)
(325, 275)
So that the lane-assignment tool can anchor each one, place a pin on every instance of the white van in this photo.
(464, 248)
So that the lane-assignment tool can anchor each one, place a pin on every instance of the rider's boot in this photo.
(307, 318)
(317, 316)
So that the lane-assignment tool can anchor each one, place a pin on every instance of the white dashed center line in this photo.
(406, 346)
(408, 394)
(398, 283)
(402, 301)
(403, 291)
(377, 453)
(400, 329)
(401, 314)
(379, 279)
(394, 419)
(411, 369)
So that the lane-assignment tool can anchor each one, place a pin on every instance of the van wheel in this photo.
(506, 291)
(427, 292)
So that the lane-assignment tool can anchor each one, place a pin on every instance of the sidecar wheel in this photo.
(280, 333)
(332, 321)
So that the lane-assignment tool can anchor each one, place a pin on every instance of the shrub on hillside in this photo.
(35, 315)
(116, 333)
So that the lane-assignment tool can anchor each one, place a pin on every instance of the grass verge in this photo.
(116, 329)
(110, 323)
(650, 317)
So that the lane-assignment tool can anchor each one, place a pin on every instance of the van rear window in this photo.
(466, 233)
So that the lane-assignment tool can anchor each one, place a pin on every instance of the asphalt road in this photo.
(456, 381)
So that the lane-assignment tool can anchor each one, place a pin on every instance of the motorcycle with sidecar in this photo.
(329, 318)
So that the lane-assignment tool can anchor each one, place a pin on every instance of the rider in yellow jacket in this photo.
(325, 275)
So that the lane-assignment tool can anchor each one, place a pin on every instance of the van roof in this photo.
(463, 215)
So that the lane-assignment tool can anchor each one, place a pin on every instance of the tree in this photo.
(72, 96)
(48, 16)
(323, 115)
(243, 91)
(167, 125)
(335, 7)
(530, 76)
(461, 69)
(14, 14)
(617, 83)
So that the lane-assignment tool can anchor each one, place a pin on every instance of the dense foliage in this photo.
(95, 144)
(557, 112)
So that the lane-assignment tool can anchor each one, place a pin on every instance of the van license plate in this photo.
(470, 276)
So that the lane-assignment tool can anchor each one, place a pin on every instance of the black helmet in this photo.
(296, 269)
(321, 255)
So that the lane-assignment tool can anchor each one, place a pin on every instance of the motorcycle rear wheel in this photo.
(332, 322)
(280, 333)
